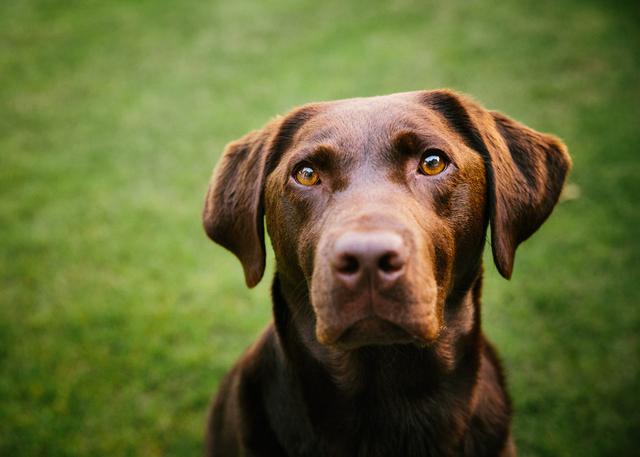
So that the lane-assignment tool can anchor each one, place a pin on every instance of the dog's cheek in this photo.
(305, 225)
(306, 251)
(309, 224)
(433, 239)
(293, 227)
(460, 208)
(282, 226)
(469, 223)
(443, 265)
(321, 295)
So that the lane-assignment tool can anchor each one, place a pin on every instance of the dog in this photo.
(377, 209)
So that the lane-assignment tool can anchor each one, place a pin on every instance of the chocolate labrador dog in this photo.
(377, 209)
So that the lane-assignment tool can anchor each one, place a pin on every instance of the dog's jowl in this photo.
(378, 210)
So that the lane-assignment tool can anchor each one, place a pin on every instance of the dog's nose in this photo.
(379, 256)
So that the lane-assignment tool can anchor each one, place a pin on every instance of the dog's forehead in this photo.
(361, 122)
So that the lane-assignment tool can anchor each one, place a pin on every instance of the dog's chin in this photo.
(375, 331)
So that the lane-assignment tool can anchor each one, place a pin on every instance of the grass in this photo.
(118, 318)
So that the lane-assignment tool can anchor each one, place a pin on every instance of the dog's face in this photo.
(377, 208)
(371, 205)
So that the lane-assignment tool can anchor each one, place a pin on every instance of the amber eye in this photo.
(306, 176)
(432, 163)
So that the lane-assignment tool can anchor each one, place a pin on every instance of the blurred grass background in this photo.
(118, 317)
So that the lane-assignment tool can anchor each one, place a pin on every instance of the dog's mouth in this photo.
(377, 323)
(375, 331)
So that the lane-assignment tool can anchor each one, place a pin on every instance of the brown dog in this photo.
(377, 209)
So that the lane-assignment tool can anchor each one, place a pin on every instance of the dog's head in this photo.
(377, 208)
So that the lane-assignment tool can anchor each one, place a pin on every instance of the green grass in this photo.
(117, 316)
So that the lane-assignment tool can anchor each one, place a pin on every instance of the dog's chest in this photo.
(404, 427)
(377, 430)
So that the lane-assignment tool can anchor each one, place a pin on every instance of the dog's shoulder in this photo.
(490, 408)
(237, 416)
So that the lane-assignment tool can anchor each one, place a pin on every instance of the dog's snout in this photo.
(378, 256)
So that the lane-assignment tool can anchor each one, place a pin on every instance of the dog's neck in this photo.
(403, 369)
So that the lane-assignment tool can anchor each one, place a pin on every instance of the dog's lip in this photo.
(375, 331)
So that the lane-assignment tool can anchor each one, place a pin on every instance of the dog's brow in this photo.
(452, 110)
(318, 136)
(286, 133)
(412, 141)
(323, 155)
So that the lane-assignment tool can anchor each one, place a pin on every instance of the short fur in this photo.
(401, 370)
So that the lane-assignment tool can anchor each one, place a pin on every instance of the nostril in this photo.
(347, 265)
(390, 263)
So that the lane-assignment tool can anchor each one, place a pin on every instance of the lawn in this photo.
(118, 317)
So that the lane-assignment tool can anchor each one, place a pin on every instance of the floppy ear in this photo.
(233, 211)
(525, 171)
(529, 170)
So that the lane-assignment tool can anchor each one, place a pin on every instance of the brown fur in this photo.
(402, 369)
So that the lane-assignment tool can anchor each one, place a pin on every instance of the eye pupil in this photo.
(432, 161)
(432, 164)
(306, 176)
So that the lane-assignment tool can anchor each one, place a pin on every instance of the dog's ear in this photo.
(529, 170)
(233, 213)
(525, 171)
(233, 210)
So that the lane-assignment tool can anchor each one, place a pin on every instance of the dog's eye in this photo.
(306, 176)
(432, 162)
